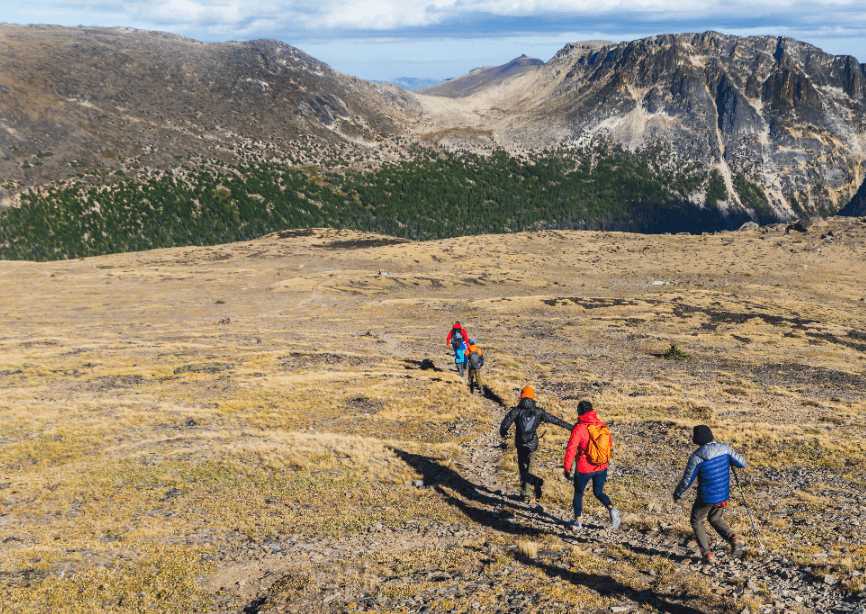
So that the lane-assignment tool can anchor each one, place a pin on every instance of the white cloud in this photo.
(839, 25)
(384, 15)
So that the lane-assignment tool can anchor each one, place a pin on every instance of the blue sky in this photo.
(385, 39)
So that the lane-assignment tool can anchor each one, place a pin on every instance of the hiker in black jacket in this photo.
(528, 417)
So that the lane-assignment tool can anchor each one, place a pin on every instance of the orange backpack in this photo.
(599, 448)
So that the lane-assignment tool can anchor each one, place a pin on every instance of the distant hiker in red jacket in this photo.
(591, 447)
(457, 329)
(458, 341)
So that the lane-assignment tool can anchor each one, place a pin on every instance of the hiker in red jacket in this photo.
(457, 328)
(591, 447)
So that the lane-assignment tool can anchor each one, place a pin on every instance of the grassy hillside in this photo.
(430, 197)
(246, 427)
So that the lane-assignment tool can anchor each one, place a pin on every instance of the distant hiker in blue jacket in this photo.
(461, 354)
(458, 339)
(711, 465)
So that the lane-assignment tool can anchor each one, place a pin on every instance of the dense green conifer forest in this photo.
(434, 195)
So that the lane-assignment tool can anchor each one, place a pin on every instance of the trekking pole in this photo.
(751, 516)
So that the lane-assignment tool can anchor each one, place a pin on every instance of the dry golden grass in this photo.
(201, 428)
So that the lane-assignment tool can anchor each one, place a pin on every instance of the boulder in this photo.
(802, 225)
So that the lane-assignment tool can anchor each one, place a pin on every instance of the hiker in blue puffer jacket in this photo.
(711, 465)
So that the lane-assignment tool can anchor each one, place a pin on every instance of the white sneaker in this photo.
(615, 518)
(575, 525)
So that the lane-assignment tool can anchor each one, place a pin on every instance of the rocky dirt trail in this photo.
(478, 488)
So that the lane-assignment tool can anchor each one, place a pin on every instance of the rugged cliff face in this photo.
(782, 122)
(777, 112)
(857, 206)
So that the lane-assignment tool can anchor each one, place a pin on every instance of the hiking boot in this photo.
(615, 518)
(575, 525)
(708, 558)
(736, 548)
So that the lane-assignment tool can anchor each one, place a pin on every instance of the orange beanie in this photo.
(528, 392)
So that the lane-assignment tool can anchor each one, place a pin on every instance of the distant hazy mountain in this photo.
(480, 78)
(414, 84)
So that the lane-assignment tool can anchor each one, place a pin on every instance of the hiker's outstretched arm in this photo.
(506, 422)
(689, 475)
(551, 419)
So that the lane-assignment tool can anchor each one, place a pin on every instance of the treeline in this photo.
(433, 196)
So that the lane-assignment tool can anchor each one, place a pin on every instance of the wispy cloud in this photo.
(838, 24)
(322, 16)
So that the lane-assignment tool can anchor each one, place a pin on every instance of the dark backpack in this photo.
(527, 424)
(456, 340)
(476, 360)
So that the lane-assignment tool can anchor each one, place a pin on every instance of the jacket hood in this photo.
(526, 404)
(589, 417)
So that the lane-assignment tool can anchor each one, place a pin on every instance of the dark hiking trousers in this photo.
(475, 379)
(700, 512)
(598, 478)
(524, 465)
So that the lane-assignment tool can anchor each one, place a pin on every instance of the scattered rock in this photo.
(208, 367)
(171, 493)
(110, 382)
(364, 405)
(749, 226)
(801, 225)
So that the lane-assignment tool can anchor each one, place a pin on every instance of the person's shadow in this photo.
(462, 494)
(497, 511)
(491, 395)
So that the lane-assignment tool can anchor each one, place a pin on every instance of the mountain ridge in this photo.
(482, 77)
(715, 128)
(771, 111)
(155, 97)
